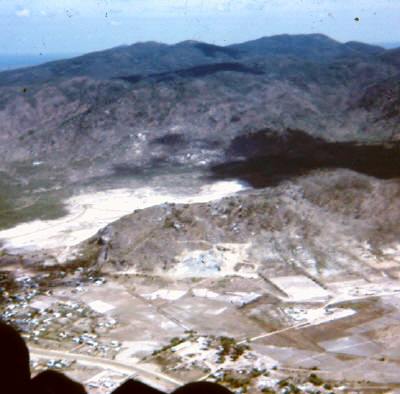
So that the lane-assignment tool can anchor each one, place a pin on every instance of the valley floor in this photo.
(254, 332)
(254, 309)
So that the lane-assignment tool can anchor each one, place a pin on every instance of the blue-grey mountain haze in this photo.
(47, 27)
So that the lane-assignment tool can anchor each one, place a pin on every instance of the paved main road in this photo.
(145, 374)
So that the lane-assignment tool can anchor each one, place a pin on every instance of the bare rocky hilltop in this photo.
(320, 224)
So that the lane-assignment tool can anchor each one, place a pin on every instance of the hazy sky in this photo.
(65, 26)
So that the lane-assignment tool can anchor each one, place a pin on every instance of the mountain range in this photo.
(150, 104)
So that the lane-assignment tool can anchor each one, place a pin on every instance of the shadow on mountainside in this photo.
(193, 72)
(266, 158)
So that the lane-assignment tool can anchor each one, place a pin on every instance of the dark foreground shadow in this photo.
(14, 362)
(52, 382)
(15, 376)
(132, 387)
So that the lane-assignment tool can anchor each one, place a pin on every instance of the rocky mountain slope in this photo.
(150, 104)
(320, 223)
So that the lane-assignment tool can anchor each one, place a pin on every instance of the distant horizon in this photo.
(73, 26)
(69, 54)
(10, 61)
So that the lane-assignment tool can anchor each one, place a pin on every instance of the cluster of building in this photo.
(42, 318)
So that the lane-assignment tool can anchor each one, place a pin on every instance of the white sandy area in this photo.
(165, 294)
(88, 213)
(131, 350)
(237, 298)
(101, 307)
(320, 315)
(300, 288)
(205, 293)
